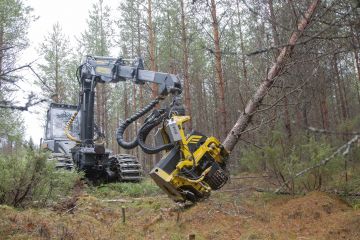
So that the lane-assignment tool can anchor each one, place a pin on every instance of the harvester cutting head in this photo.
(195, 166)
(192, 166)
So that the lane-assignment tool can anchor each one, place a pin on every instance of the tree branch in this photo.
(344, 149)
(32, 101)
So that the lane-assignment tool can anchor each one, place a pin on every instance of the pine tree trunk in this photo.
(242, 48)
(185, 48)
(126, 110)
(57, 84)
(153, 67)
(357, 66)
(273, 26)
(323, 103)
(244, 119)
(151, 32)
(276, 40)
(134, 110)
(2, 51)
(141, 97)
(219, 71)
(339, 88)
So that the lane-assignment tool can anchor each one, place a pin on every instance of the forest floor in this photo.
(235, 212)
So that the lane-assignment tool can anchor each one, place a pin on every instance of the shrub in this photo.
(28, 177)
(283, 162)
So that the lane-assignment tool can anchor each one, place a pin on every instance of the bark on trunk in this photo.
(154, 87)
(357, 65)
(273, 26)
(287, 121)
(136, 150)
(219, 71)
(242, 47)
(185, 47)
(244, 119)
(340, 89)
(323, 104)
(126, 111)
(2, 52)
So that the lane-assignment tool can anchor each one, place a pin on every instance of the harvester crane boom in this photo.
(193, 164)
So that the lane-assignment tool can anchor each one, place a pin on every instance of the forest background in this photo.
(222, 50)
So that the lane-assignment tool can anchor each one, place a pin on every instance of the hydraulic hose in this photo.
(120, 131)
(68, 126)
(144, 132)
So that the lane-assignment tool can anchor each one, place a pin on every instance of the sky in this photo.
(72, 16)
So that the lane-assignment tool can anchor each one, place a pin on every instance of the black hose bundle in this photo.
(150, 123)
(120, 131)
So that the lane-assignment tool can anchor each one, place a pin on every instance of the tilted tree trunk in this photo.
(253, 104)
(219, 70)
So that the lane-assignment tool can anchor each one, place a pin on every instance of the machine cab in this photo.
(57, 117)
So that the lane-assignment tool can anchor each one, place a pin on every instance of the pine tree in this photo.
(56, 52)
(15, 18)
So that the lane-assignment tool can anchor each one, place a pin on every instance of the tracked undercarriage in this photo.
(61, 161)
(126, 168)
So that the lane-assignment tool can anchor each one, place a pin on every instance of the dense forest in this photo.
(278, 82)
(302, 132)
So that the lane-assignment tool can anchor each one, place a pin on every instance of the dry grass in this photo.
(226, 215)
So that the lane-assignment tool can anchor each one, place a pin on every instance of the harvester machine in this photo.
(192, 164)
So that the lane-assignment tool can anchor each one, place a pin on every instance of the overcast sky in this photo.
(72, 15)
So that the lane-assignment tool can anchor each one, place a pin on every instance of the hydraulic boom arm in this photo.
(108, 69)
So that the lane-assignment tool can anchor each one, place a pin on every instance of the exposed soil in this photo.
(228, 214)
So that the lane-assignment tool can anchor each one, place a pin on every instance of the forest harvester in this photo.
(193, 164)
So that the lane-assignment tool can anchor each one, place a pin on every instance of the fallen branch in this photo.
(324, 131)
(256, 189)
(117, 200)
(344, 149)
(345, 194)
(246, 177)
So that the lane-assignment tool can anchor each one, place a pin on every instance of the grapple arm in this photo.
(108, 69)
